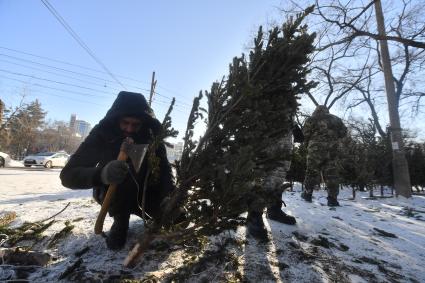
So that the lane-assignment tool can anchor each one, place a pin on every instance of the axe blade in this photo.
(137, 152)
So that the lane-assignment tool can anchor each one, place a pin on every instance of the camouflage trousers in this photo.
(321, 162)
(273, 180)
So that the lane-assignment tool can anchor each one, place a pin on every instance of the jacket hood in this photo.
(129, 104)
(320, 110)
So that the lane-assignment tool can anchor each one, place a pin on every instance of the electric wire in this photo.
(91, 69)
(53, 88)
(168, 104)
(179, 104)
(178, 108)
(62, 21)
(71, 64)
(65, 97)
(53, 81)
(60, 75)
(57, 68)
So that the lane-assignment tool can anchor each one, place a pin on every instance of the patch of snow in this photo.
(340, 244)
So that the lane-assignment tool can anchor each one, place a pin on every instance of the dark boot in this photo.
(306, 196)
(255, 226)
(332, 201)
(275, 213)
(117, 236)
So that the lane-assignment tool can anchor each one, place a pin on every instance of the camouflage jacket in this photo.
(323, 127)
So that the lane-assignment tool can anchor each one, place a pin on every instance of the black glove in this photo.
(114, 172)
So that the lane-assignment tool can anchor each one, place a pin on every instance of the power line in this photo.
(53, 81)
(78, 39)
(59, 74)
(65, 70)
(52, 88)
(61, 96)
(68, 91)
(70, 64)
(88, 68)
(168, 103)
(56, 68)
(177, 102)
(169, 90)
(183, 104)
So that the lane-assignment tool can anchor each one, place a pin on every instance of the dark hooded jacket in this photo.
(103, 144)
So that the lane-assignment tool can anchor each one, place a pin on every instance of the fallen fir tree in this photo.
(15, 255)
(248, 113)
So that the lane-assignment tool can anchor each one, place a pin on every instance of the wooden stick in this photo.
(138, 250)
(98, 227)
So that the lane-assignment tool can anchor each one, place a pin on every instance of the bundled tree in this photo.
(415, 154)
(247, 116)
(357, 162)
(350, 164)
(366, 161)
(381, 156)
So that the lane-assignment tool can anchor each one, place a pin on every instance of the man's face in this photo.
(130, 125)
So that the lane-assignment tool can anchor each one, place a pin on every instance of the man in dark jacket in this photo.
(94, 164)
(323, 132)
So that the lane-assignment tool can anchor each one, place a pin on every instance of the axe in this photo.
(136, 153)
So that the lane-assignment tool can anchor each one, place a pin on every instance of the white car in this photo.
(4, 159)
(47, 159)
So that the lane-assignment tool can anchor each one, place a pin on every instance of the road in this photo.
(33, 168)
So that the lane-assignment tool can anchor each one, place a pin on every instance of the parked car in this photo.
(4, 159)
(47, 159)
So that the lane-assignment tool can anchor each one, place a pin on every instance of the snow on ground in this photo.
(341, 244)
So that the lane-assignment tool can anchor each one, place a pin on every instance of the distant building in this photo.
(80, 128)
(72, 122)
(176, 152)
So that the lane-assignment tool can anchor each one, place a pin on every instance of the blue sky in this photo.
(188, 43)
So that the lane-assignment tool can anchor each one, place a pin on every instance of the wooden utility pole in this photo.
(153, 85)
(400, 169)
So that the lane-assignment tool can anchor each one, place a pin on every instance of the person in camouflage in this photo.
(274, 182)
(323, 132)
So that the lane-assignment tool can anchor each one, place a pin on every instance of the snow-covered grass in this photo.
(342, 244)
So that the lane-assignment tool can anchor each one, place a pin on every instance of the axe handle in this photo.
(98, 227)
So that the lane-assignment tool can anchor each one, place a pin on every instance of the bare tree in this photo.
(347, 62)
(353, 54)
(406, 26)
(8, 115)
(353, 20)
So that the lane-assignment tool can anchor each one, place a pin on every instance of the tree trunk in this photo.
(400, 168)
